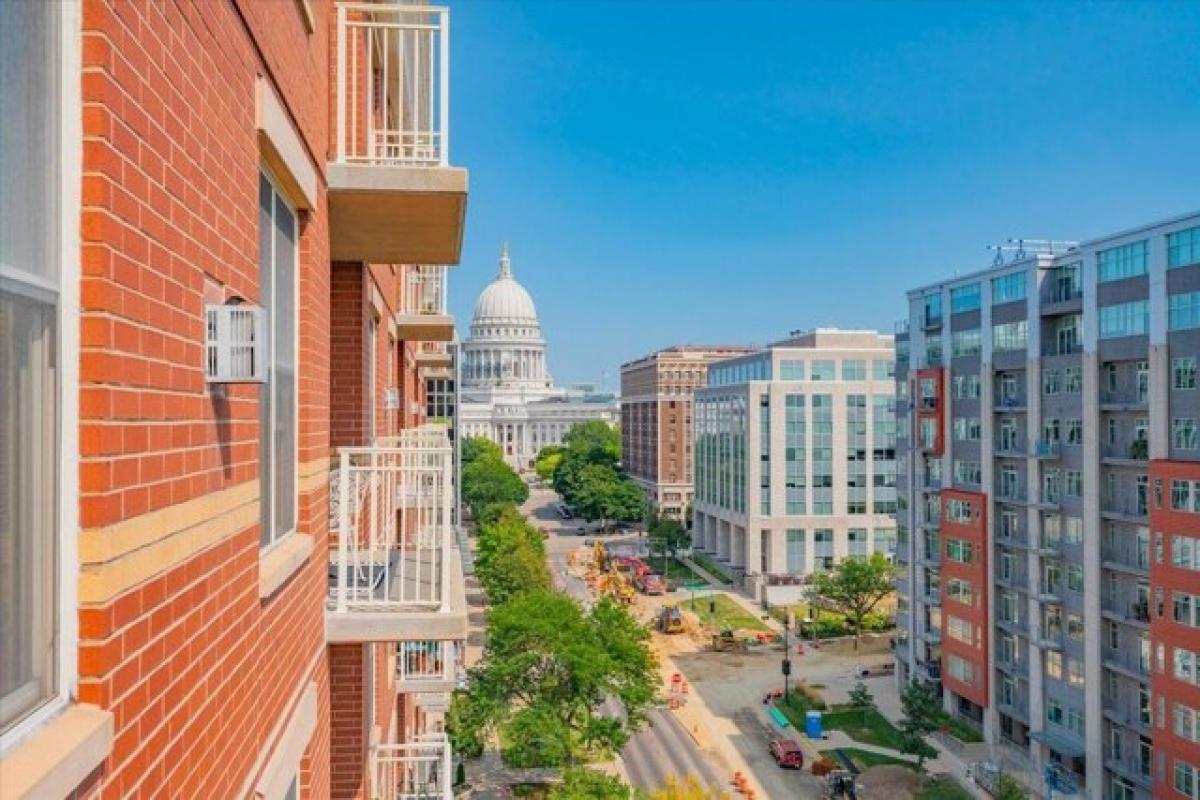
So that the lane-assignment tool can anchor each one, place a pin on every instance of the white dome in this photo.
(504, 301)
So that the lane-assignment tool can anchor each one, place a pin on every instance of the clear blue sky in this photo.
(722, 172)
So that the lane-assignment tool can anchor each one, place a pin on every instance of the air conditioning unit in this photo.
(235, 343)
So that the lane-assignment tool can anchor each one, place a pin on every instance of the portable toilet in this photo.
(812, 725)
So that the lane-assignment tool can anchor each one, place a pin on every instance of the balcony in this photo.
(1123, 400)
(426, 666)
(1012, 538)
(396, 574)
(432, 356)
(1126, 713)
(1128, 662)
(1049, 637)
(931, 321)
(1017, 626)
(1014, 495)
(1017, 667)
(1135, 612)
(1062, 300)
(422, 314)
(1010, 405)
(1016, 707)
(1131, 556)
(1016, 581)
(418, 770)
(1133, 454)
(393, 196)
(1131, 767)
(1049, 451)
(1124, 510)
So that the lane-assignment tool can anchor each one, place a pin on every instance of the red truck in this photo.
(649, 583)
(787, 753)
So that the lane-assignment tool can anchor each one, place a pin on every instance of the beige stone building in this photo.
(656, 420)
(795, 459)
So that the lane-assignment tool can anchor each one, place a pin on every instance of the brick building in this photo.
(227, 556)
(1050, 515)
(656, 420)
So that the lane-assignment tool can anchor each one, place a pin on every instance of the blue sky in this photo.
(721, 172)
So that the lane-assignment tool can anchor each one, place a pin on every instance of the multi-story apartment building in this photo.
(795, 458)
(1050, 518)
(656, 421)
(227, 552)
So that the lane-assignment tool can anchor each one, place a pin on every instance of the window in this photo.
(1125, 261)
(960, 629)
(1183, 248)
(1184, 434)
(966, 387)
(933, 308)
(277, 282)
(1185, 552)
(35, 328)
(854, 370)
(965, 343)
(1066, 283)
(960, 669)
(1008, 288)
(967, 472)
(1186, 726)
(1050, 381)
(967, 429)
(1183, 311)
(1054, 709)
(1187, 778)
(1075, 577)
(883, 369)
(1185, 495)
(1009, 336)
(960, 551)
(1183, 372)
(1075, 431)
(960, 591)
(791, 370)
(823, 370)
(1185, 666)
(1072, 380)
(959, 511)
(796, 561)
(1054, 662)
(1124, 319)
(964, 298)
(1073, 483)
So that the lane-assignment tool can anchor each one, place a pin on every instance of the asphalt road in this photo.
(662, 747)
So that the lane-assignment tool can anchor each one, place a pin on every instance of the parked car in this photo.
(787, 753)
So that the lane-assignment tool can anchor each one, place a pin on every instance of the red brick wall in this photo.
(347, 721)
(195, 667)
(1164, 631)
(974, 532)
(348, 353)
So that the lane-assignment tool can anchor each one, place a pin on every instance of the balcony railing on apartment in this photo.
(1129, 661)
(426, 666)
(1124, 509)
(1129, 556)
(1045, 449)
(1125, 711)
(424, 290)
(1123, 400)
(417, 770)
(391, 511)
(1124, 609)
(393, 84)
(1131, 766)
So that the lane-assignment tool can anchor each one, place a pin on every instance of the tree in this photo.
(672, 534)
(580, 783)
(548, 668)
(594, 441)
(603, 493)
(548, 459)
(1009, 788)
(510, 557)
(476, 447)
(855, 586)
(861, 698)
(489, 480)
(923, 714)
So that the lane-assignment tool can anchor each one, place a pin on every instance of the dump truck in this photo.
(669, 620)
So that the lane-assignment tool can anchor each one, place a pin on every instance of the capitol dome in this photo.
(505, 349)
(504, 301)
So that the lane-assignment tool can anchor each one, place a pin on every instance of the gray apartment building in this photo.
(1049, 521)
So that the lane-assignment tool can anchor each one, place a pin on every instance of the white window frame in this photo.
(70, 177)
(277, 188)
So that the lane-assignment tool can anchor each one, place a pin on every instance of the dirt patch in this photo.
(869, 650)
(888, 782)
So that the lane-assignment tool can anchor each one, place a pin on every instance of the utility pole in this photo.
(787, 662)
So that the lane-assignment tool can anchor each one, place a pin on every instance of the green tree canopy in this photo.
(602, 493)
(595, 441)
(581, 783)
(670, 534)
(487, 480)
(548, 459)
(855, 586)
(511, 556)
(547, 669)
(476, 447)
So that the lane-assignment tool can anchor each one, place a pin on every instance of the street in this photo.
(662, 747)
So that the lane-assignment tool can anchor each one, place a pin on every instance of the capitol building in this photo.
(507, 393)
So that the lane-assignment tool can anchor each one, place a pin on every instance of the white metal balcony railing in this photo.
(417, 770)
(393, 84)
(391, 510)
(426, 662)
(424, 291)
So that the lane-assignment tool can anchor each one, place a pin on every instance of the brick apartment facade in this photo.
(656, 420)
(1050, 523)
(204, 591)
